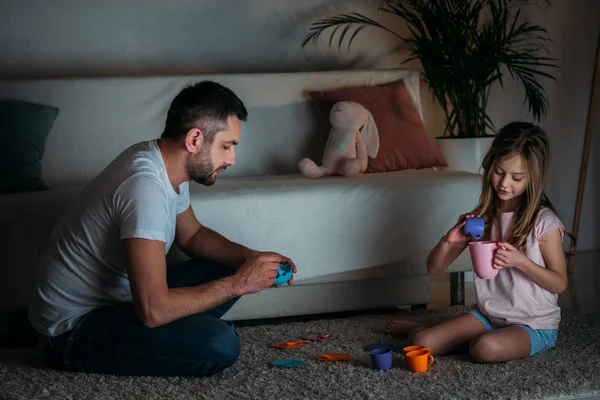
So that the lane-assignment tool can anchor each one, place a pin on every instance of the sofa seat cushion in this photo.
(36, 204)
(335, 229)
(335, 224)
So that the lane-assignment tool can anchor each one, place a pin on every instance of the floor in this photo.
(582, 295)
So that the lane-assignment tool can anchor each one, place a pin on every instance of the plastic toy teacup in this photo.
(408, 349)
(283, 274)
(482, 255)
(419, 361)
(474, 227)
(382, 358)
(381, 355)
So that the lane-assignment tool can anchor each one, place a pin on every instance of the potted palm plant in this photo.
(464, 47)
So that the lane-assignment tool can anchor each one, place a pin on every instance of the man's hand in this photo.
(286, 260)
(260, 270)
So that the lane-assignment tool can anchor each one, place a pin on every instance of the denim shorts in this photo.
(541, 339)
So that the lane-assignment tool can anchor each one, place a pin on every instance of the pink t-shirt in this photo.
(511, 297)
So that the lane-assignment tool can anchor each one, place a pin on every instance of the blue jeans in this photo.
(112, 340)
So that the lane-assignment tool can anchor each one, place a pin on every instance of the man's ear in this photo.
(194, 139)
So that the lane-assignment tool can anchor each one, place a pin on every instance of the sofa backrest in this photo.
(100, 117)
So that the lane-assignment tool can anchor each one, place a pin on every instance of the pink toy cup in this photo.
(482, 255)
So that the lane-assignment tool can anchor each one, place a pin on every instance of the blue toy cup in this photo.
(474, 227)
(382, 358)
(381, 355)
(283, 274)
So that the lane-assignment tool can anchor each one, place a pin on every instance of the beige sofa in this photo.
(374, 259)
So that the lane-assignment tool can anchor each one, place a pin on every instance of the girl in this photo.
(517, 313)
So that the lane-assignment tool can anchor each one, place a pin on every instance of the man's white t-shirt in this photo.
(83, 266)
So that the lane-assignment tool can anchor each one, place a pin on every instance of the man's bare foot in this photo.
(401, 328)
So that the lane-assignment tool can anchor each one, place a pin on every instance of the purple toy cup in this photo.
(474, 227)
(382, 358)
(381, 355)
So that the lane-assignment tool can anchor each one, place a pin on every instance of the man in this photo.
(104, 298)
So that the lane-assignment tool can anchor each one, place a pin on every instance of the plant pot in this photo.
(464, 154)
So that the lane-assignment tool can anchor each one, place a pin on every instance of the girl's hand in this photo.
(507, 256)
(456, 233)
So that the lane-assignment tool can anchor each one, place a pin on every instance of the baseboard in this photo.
(318, 317)
(332, 297)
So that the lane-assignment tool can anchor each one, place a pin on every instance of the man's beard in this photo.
(201, 170)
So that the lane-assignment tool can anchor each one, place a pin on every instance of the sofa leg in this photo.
(415, 307)
(457, 288)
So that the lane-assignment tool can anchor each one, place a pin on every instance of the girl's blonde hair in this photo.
(531, 143)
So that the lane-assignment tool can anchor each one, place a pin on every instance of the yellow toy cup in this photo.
(419, 360)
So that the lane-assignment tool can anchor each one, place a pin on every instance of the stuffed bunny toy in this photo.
(353, 138)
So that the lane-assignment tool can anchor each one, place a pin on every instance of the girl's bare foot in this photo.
(401, 328)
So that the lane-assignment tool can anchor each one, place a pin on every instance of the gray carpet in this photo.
(570, 370)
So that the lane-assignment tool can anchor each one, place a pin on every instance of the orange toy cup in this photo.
(413, 348)
(419, 360)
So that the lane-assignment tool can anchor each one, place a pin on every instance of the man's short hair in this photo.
(206, 106)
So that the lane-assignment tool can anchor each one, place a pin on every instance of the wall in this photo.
(130, 37)
(574, 27)
(116, 37)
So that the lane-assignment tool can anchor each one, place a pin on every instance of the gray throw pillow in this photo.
(24, 128)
